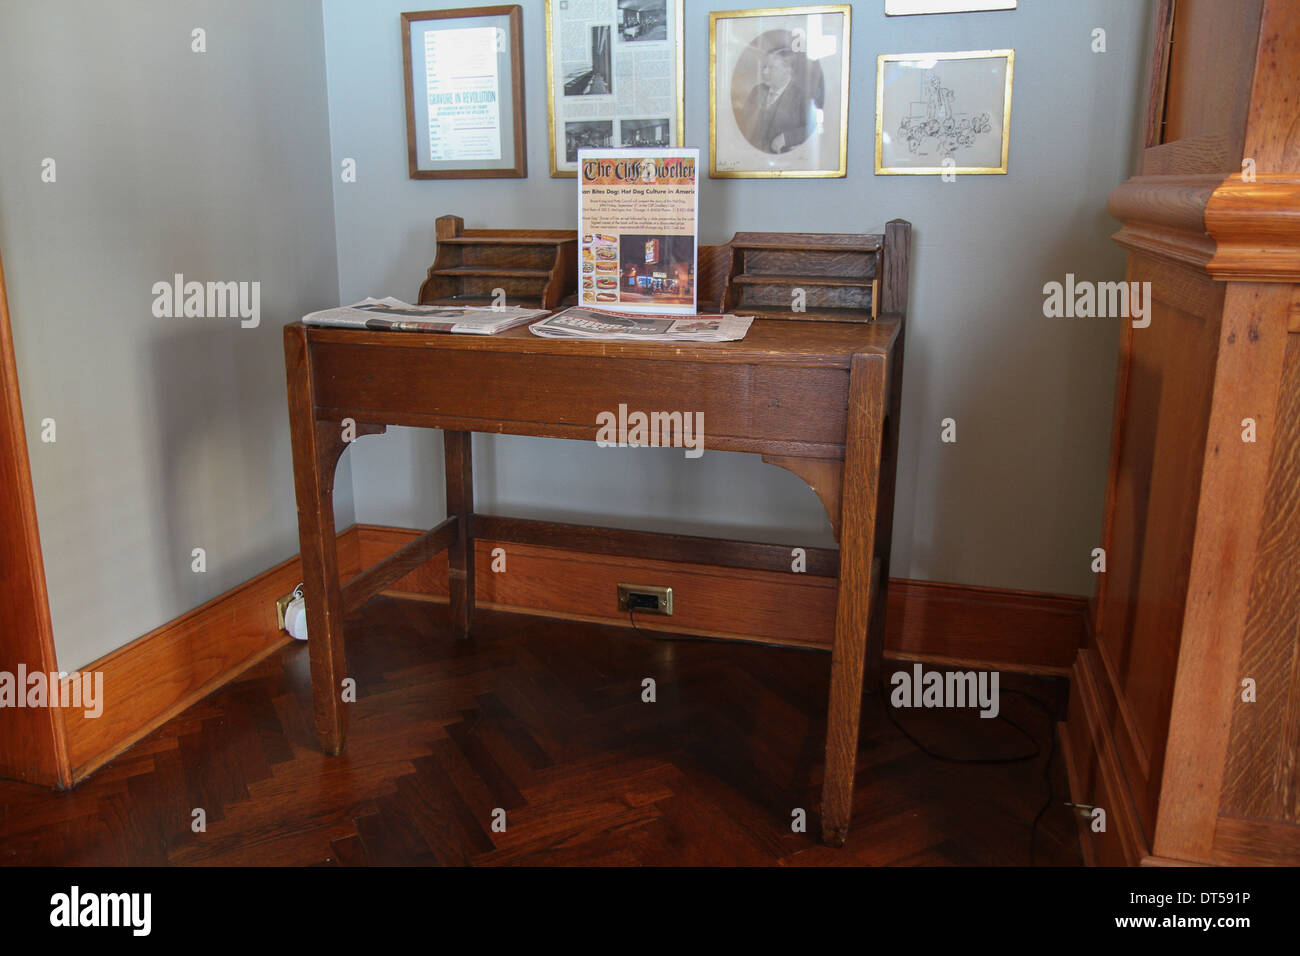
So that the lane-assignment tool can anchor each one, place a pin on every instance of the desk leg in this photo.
(853, 610)
(460, 502)
(885, 517)
(317, 447)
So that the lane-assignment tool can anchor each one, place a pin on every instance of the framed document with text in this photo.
(779, 92)
(615, 71)
(464, 93)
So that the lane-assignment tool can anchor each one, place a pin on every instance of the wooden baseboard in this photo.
(152, 679)
(157, 676)
(1096, 778)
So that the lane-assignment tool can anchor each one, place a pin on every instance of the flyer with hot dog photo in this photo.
(638, 223)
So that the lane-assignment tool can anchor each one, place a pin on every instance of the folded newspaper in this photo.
(585, 323)
(394, 315)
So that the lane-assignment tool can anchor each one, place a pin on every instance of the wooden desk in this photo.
(817, 398)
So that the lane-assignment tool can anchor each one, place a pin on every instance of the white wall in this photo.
(172, 434)
(1016, 502)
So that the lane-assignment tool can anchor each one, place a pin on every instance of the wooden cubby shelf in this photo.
(829, 277)
(537, 268)
(837, 273)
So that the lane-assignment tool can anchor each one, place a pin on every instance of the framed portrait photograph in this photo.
(779, 92)
(906, 8)
(615, 74)
(943, 112)
(464, 93)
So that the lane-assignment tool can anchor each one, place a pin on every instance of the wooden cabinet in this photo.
(1201, 592)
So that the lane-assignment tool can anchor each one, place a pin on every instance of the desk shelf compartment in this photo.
(535, 268)
(837, 273)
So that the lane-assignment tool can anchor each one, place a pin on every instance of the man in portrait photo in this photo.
(778, 115)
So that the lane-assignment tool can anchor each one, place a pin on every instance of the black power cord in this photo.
(699, 639)
(889, 712)
(992, 761)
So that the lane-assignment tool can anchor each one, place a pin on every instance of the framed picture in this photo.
(943, 112)
(464, 93)
(904, 8)
(779, 92)
(638, 221)
(615, 75)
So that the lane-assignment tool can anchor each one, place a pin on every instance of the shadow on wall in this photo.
(220, 431)
(1015, 362)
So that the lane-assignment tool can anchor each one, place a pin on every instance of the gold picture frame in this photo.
(737, 154)
(621, 31)
(953, 132)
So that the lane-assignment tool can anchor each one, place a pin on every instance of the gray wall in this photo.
(1016, 502)
(172, 433)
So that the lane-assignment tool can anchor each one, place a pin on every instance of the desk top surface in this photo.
(769, 342)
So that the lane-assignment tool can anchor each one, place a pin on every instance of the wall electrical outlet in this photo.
(647, 598)
(282, 605)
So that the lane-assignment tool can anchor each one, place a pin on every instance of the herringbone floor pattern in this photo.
(545, 721)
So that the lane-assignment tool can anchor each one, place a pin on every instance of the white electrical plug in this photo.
(295, 616)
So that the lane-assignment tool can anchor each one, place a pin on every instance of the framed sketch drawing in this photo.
(903, 8)
(942, 113)
(615, 75)
(464, 93)
(779, 92)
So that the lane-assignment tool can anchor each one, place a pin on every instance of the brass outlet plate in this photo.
(663, 595)
(281, 606)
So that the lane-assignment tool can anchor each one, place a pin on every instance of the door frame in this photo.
(32, 742)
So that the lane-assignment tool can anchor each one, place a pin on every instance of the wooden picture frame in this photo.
(471, 65)
(584, 48)
(798, 54)
(926, 128)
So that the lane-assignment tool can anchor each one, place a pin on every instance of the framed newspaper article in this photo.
(615, 71)
(638, 224)
(464, 93)
(779, 92)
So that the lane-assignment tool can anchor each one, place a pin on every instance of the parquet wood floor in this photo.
(544, 720)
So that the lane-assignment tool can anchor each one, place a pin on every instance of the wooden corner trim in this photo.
(825, 476)
(1256, 229)
(1232, 229)
(32, 742)
(1124, 812)
(1164, 216)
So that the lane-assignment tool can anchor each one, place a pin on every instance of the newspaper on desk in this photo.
(391, 314)
(585, 323)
